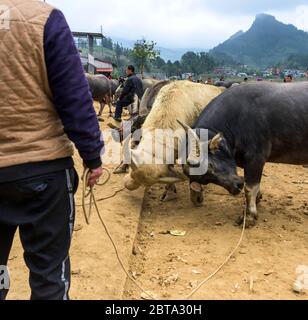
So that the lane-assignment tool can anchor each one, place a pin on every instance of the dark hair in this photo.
(290, 76)
(131, 68)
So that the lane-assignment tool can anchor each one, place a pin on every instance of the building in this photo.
(97, 66)
(88, 40)
(91, 51)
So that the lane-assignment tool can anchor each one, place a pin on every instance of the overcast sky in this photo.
(177, 23)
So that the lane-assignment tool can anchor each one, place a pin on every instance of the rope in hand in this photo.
(87, 214)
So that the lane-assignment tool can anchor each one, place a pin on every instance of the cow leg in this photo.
(196, 194)
(251, 194)
(170, 193)
(253, 175)
(101, 109)
(110, 110)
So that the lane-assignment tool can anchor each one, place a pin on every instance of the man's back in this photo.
(30, 128)
(138, 85)
(132, 86)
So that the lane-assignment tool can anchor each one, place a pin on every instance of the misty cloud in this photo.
(178, 23)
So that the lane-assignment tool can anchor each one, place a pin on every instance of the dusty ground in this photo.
(172, 266)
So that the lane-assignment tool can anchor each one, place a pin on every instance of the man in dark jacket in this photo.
(45, 104)
(133, 86)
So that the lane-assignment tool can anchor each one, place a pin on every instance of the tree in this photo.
(144, 52)
(206, 63)
(118, 52)
(190, 62)
(107, 43)
(159, 63)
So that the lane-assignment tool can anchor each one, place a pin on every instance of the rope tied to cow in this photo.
(86, 193)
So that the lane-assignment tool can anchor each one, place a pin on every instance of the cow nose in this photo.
(131, 184)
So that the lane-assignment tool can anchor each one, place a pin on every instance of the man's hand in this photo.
(94, 176)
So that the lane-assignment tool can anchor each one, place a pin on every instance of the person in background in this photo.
(209, 81)
(43, 110)
(307, 74)
(288, 79)
(133, 86)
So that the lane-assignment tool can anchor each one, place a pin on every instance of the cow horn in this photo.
(194, 156)
(215, 142)
(184, 125)
(177, 173)
(169, 180)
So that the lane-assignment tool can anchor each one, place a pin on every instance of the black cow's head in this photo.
(222, 168)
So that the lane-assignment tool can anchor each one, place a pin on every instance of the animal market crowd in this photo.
(47, 110)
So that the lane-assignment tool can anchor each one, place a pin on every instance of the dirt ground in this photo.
(171, 267)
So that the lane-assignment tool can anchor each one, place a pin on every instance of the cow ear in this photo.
(215, 142)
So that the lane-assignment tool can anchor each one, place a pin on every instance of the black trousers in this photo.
(43, 208)
(120, 105)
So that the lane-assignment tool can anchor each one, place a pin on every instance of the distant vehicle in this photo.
(242, 75)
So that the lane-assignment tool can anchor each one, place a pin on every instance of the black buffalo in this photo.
(225, 84)
(102, 90)
(249, 126)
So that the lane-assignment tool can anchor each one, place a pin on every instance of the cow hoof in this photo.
(169, 196)
(250, 221)
(196, 194)
(197, 198)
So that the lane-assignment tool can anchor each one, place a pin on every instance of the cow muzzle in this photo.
(130, 184)
(235, 186)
